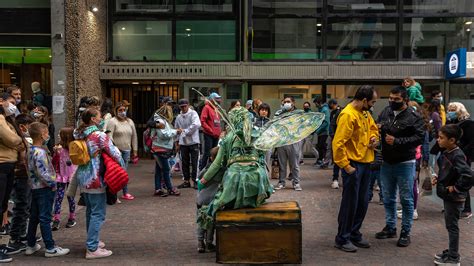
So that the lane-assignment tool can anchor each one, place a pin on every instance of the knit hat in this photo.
(35, 87)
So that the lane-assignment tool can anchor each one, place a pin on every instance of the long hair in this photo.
(46, 119)
(166, 112)
(87, 116)
(67, 136)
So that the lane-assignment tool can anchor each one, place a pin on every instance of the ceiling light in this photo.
(29, 49)
(319, 30)
(468, 30)
(11, 73)
(49, 56)
(468, 22)
(319, 25)
(123, 28)
(188, 29)
(94, 9)
(189, 35)
(162, 83)
(135, 83)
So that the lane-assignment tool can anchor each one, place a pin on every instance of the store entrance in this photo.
(144, 98)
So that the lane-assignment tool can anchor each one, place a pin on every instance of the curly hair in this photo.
(460, 109)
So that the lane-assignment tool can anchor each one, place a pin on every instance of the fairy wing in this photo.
(288, 129)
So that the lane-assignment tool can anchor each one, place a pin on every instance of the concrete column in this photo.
(58, 64)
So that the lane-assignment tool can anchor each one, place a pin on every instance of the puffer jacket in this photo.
(90, 175)
(9, 142)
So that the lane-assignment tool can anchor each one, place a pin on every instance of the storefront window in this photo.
(436, 6)
(369, 38)
(142, 40)
(26, 4)
(157, 6)
(463, 93)
(295, 8)
(220, 6)
(205, 40)
(362, 6)
(286, 39)
(433, 37)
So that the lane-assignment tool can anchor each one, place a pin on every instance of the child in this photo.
(260, 121)
(43, 186)
(453, 182)
(204, 197)
(64, 172)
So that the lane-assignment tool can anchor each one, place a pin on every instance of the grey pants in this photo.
(289, 155)
(310, 140)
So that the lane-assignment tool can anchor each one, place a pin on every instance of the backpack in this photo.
(78, 152)
(147, 140)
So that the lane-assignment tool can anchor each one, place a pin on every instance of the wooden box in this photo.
(270, 233)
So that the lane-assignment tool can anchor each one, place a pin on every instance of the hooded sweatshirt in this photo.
(210, 121)
(190, 123)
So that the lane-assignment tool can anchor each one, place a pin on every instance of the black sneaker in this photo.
(4, 258)
(185, 184)
(386, 233)
(442, 254)
(447, 260)
(404, 240)
(5, 230)
(361, 244)
(15, 247)
(70, 223)
(210, 247)
(55, 226)
(201, 246)
(348, 247)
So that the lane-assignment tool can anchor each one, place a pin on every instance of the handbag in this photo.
(115, 177)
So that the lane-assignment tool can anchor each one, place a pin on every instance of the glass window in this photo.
(463, 93)
(432, 38)
(142, 40)
(437, 6)
(362, 6)
(369, 38)
(158, 6)
(26, 4)
(204, 40)
(299, 8)
(221, 6)
(286, 38)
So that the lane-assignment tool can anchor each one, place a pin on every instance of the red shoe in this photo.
(128, 197)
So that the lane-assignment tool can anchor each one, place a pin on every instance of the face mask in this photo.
(452, 116)
(287, 106)
(441, 99)
(18, 101)
(371, 109)
(395, 106)
(414, 108)
(123, 114)
(37, 115)
(10, 110)
(307, 109)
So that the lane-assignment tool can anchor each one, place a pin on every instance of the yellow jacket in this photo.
(442, 114)
(353, 134)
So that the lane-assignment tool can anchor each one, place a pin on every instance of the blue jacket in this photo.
(324, 128)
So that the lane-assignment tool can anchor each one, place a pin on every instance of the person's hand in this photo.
(373, 143)
(203, 181)
(135, 154)
(179, 130)
(349, 169)
(450, 189)
(434, 180)
(389, 139)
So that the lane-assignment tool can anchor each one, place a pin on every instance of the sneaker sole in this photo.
(70, 226)
(444, 263)
(99, 257)
(15, 252)
(386, 237)
(344, 249)
(52, 255)
(6, 260)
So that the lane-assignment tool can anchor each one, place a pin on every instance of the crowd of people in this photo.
(386, 151)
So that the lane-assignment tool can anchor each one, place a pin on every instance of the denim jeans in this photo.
(401, 176)
(95, 217)
(41, 207)
(375, 176)
(452, 211)
(354, 203)
(126, 160)
(21, 195)
(162, 170)
(209, 143)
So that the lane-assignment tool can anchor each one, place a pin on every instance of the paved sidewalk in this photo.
(152, 230)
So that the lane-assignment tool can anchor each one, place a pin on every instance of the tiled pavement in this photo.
(151, 230)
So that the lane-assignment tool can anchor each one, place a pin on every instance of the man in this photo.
(335, 111)
(309, 140)
(15, 92)
(353, 147)
(38, 95)
(402, 131)
(322, 132)
(437, 96)
(188, 140)
(211, 127)
(289, 154)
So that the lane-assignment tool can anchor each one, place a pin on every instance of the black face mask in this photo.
(307, 109)
(395, 106)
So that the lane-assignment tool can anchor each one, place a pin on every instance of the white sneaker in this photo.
(297, 187)
(279, 186)
(99, 253)
(415, 215)
(101, 244)
(335, 184)
(399, 214)
(56, 252)
(32, 250)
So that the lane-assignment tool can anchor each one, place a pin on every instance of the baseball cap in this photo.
(332, 101)
(214, 95)
(168, 99)
(183, 102)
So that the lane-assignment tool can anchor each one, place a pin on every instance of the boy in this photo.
(21, 193)
(453, 182)
(43, 188)
(207, 190)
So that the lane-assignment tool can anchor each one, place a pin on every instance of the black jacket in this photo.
(260, 121)
(407, 128)
(333, 121)
(454, 171)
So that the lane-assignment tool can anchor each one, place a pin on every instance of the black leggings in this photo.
(7, 174)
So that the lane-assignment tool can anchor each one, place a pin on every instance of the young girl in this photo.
(64, 172)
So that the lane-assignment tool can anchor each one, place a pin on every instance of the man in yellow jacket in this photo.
(353, 147)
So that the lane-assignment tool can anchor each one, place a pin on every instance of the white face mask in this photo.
(287, 106)
(10, 110)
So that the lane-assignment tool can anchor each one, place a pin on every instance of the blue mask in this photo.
(452, 115)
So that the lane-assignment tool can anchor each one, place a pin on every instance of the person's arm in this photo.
(111, 128)
(8, 137)
(345, 128)
(134, 138)
(106, 145)
(415, 139)
(463, 170)
(195, 125)
(44, 168)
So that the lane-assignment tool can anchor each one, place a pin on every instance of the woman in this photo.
(458, 114)
(124, 135)
(163, 136)
(41, 114)
(234, 104)
(107, 110)
(91, 180)
(11, 143)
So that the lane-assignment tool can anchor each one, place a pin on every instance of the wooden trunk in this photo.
(270, 233)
